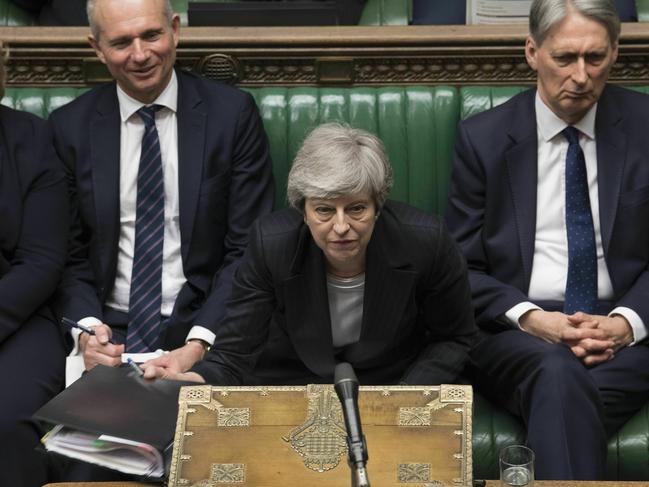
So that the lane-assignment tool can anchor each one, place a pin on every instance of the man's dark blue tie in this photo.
(581, 285)
(146, 281)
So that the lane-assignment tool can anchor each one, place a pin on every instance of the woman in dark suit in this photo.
(343, 276)
(33, 232)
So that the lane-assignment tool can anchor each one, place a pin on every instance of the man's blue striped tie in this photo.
(581, 285)
(146, 281)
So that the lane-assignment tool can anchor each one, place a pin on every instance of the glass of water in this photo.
(516, 466)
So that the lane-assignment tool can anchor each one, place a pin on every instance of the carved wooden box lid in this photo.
(295, 436)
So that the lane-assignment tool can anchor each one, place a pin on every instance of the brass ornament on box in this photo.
(321, 439)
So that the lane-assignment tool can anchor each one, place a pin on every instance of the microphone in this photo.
(346, 386)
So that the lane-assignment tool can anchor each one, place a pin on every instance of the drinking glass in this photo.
(516, 466)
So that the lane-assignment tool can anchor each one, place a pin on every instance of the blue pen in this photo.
(135, 367)
(78, 326)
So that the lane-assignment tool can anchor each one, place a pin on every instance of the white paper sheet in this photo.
(497, 11)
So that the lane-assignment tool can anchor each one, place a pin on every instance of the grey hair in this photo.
(544, 14)
(336, 160)
(94, 28)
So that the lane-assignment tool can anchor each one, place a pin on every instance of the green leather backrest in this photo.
(476, 99)
(40, 101)
(376, 12)
(11, 15)
(386, 12)
(642, 7)
(417, 126)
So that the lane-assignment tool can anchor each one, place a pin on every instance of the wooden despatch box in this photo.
(295, 436)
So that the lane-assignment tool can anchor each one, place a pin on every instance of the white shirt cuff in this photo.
(637, 325)
(513, 315)
(200, 333)
(89, 321)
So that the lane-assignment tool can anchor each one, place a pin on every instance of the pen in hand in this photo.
(84, 329)
(135, 367)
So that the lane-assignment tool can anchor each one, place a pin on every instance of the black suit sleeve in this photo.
(243, 334)
(250, 196)
(36, 263)
(447, 309)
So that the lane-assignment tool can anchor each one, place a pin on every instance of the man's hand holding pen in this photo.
(98, 349)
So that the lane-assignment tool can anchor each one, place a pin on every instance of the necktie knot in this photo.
(147, 114)
(571, 134)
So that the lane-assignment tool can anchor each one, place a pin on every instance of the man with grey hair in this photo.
(167, 172)
(550, 202)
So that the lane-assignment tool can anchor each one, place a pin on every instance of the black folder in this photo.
(115, 401)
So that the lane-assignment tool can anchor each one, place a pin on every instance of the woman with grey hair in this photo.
(343, 275)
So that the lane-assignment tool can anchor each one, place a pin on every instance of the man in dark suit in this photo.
(550, 203)
(167, 171)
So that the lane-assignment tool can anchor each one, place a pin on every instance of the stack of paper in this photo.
(120, 454)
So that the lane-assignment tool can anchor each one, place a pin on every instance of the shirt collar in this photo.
(549, 125)
(168, 99)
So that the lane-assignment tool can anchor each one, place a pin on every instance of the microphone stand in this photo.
(359, 477)
(346, 386)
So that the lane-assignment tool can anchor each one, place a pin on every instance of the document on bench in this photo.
(497, 11)
(120, 454)
(114, 418)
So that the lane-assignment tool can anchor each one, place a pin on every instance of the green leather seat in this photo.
(376, 12)
(418, 126)
(12, 15)
(386, 12)
(40, 101)
(642, 6)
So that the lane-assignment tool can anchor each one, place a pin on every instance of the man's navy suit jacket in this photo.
(225, 183)
(417, 324)
(492, 200)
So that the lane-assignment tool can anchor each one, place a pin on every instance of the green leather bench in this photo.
(375, 12)
(417, 125)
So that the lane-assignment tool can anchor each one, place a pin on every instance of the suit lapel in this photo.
(611, 146)
(522, 169)
(307, 314)
(104, 161)
(191, 141)
(389, 284)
